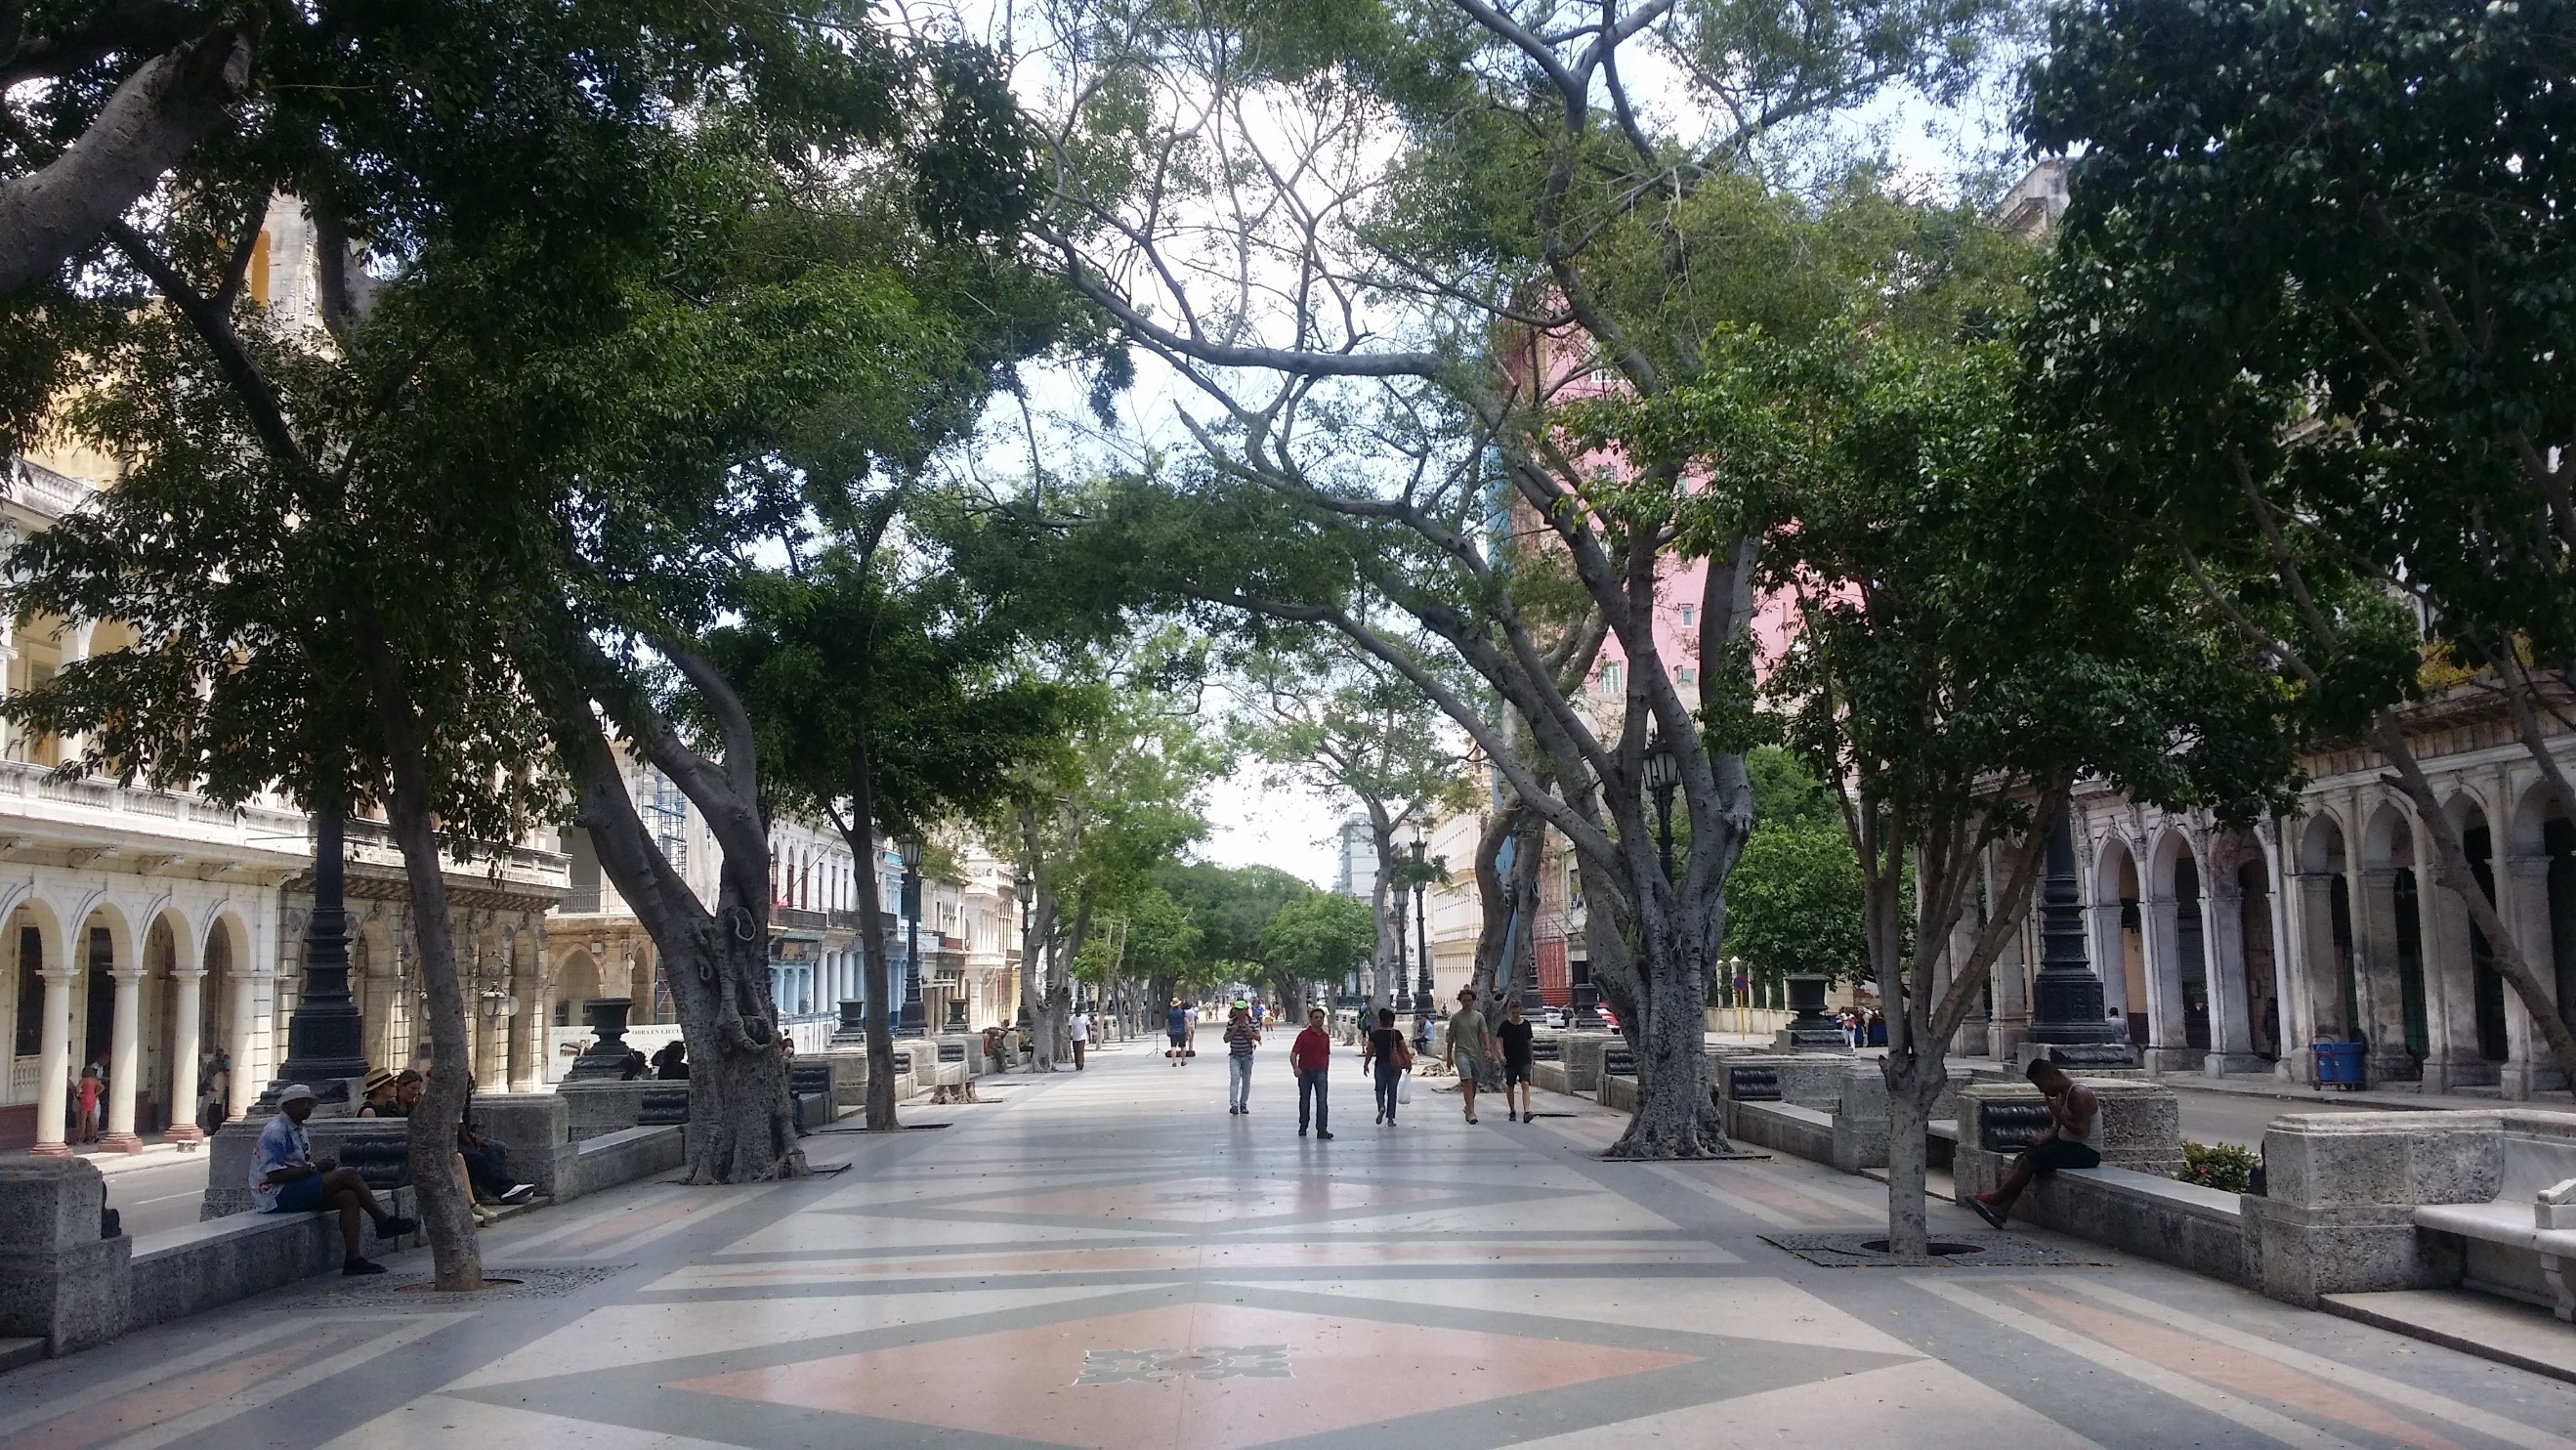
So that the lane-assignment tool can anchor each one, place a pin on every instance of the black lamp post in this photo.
(911, 1024)
(1663, 776)
(2066, 998)
(1421, 932)
(325, 1038)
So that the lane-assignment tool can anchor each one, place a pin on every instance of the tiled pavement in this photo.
(1110, 1260)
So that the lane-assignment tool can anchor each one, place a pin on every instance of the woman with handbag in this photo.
(1387, 1053)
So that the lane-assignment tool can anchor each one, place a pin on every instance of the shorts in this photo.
(1471, 1068)
(1180, 1039)
(1515, 1072)
(303, 1195)
(2058, 1153)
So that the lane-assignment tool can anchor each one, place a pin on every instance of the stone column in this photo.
(2450, 1000)
(54, 1062)
(2523, 885)
(186, 984)
(245, 1085)
(2312, 1004)
(2159, 916)
(2382, 984)
(527, 1023)
(127, 1062)
(2222, 937)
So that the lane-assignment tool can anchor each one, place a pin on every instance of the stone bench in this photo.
(1550, 1077)
(201, 1266)
(379, 1148)
(1787, 1127)
(2517, 1244)
(1617, 1093)
(2147, 1214)
(626, 1155)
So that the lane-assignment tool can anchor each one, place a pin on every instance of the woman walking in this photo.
(1388, 1057)
(1240, 1038)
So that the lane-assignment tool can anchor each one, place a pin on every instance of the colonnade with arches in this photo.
(143, 977)
(2231, 950)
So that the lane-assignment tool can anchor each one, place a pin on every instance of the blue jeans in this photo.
(1310, 1090)
(1238, 1087)
(1388, 1075)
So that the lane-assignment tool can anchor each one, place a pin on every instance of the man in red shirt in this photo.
(1310, 1055)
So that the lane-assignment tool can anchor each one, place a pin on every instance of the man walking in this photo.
(1309, 1056)
(284, 1178)
(1081, 1036)
(1470, 1043)
(1177, 1024)
(2073, 1140)
(1240, 1038)
(1515, 1035)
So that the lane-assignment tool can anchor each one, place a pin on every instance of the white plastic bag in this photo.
(1404, 1088)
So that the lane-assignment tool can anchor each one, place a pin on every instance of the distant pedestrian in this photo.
(1515, 1037)
(1240, 1038)
(637, 1066)
(1081, 1029)
(1471, 1042)
(1309, 1057)
(671, 1064)
(93, 1081)
(215, 1091)
(795, 1104)
(1387, 1054)
(1177, 1024)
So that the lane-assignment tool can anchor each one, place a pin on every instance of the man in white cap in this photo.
(285, 1178)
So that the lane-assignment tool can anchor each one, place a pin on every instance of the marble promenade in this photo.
(1109, 1259)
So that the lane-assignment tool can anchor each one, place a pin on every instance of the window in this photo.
(1686, 675)
(1690, 614)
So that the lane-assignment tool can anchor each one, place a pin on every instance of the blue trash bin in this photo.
(2338, 1064)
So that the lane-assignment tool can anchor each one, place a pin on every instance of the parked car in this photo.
(1554, 1017)
(1609, 1018)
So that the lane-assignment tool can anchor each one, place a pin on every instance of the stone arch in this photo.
(2119, 933)
(28, 911)
(2392, 912)
(2179, 883)
(2326, 963)
(104, 944)
(163, 1096)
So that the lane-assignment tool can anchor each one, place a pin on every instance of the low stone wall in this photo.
(536, 1127)
(1618, 1093)
(1550, 1077)
(1807, 1080)
(1787, 1127)
(1580, 1053)
(206, 1265)
(2343, 1190)
(626, 1155)
(2141, 1129)
(59, 1280)
(612, 1106)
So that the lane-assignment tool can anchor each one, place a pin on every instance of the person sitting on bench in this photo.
(285, 1178)
(2073, 1140)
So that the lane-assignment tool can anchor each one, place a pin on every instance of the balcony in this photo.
(40, 810)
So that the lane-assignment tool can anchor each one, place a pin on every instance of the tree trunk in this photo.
(1390, 920)
(716, 965)
(876, 978)
(2451, 869)
(1914, 1081)
(446, 1203)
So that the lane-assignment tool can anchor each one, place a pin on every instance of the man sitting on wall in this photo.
(285, 1178)
(2073, 1140)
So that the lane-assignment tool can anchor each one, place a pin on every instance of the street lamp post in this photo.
(1421, 932)
(910, 851)
(325, 1038)
(1663, 776)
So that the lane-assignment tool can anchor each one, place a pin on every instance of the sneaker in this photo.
(394, 1228)
(1323, 1137)
(1301, 1130)
(1985, 1207)
(1381, 1117)
(355, 1268)
(518, 1191)
(1510, 1117)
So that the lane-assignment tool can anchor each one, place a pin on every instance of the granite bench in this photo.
(1788, 1127)
(2518, 1243)
(628, 1154)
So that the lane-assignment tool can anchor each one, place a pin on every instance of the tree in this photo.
(1954, 692)
(1095, 821)
(2307, 323)
(1386, 303)
(1348, 727)
(1315, 937)
(884, 696)
(1794, 904)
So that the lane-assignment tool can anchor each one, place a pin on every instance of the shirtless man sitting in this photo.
(2073, 1140)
